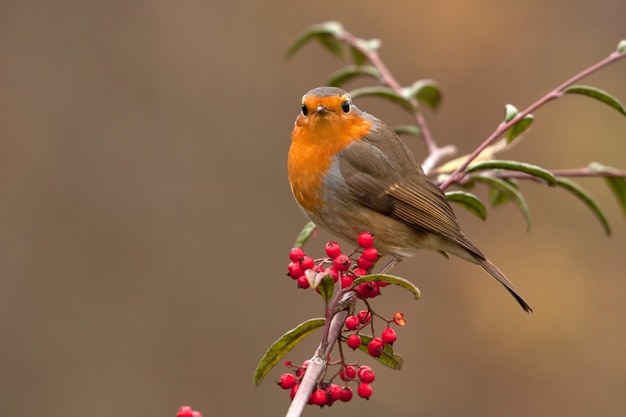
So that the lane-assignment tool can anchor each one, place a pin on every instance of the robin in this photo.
(350, 172)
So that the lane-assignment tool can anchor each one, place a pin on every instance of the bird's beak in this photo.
(322, 110)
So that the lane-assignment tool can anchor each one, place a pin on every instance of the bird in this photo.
(350, 172)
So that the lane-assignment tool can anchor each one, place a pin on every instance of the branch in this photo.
(435, 153)
(458, 174)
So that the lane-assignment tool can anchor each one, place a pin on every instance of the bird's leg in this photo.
(395, 260)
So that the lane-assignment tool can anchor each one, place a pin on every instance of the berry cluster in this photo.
(186, 411)
(344, 269)
(338, 265)
(329, 392)
(375, 344)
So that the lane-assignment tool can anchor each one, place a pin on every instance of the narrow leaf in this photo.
(388, 357)
(357, 56)
(346, 73)
(283, 345)
(307, 231)
(331, 43)
(391, 279)
(318, 31)
(408, 129)
(511, 190)
(497, 198)
(519, 128)
(384, 92)
(425, 91)
(617, 185)
(586, 198)
(598, 94)
(534, 170)
(468, 201)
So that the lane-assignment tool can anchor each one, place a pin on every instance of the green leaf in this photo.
(384, 92)
(346, 73)
(586, 198)
(307, 231)
(408, 129)
(283, 345)
(357, 56)
(497, 198)
(391, 280)
(425, 91)
(510, 111)
(331, 43)
(326, 33)
(519, 128)
(511, 190)
(617, 185)
(468, 201)
(388, 357)
(598, 94)
(621, 46)
(534, 170)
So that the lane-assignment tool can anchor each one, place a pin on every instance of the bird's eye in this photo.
(305, 110)
(345, 106)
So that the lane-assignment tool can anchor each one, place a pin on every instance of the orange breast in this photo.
(314, 142)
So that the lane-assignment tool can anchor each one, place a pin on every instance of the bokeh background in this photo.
(145, 214)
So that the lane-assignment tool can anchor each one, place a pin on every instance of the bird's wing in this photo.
(391, 182)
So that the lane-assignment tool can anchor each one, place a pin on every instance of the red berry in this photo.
(341, 263)
(366, 374)
(196, 414)
(294, 270)
(346, 280)
(184, 411)
(389, 335)
(294, 390)
(303, 282)
(302, 369)
(319, 397)
(295, 254)
(333, 250)
(359, 272)
(347, 373)
(307, 263)
(365, 240)
(370, 254)
(287, 381)
(364, 390)
(375, 347)
(364, 263)
(333, 393)
(354, 341)
(352, 322)
(367, 290)
(346, 394)
(364, 316)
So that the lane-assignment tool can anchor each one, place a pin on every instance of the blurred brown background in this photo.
(145, 213)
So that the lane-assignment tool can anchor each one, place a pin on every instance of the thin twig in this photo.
(459, 173)
(435, 153)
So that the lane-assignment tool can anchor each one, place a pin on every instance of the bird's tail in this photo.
(497, 274)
